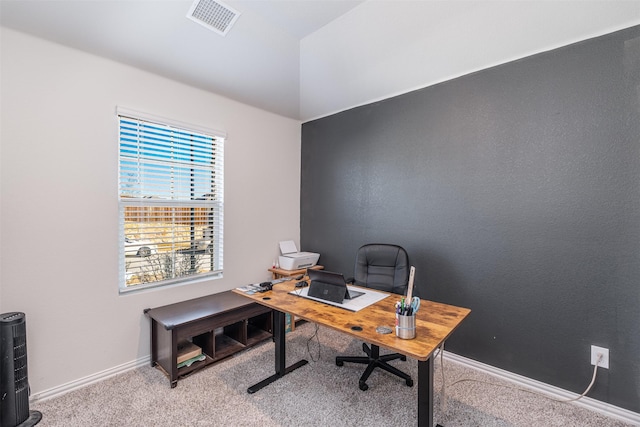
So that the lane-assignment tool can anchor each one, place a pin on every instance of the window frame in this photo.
(209, 205)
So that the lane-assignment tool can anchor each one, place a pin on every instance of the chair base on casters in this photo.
(374, 360)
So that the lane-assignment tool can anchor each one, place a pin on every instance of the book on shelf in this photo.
(187, 350)
(189, 362)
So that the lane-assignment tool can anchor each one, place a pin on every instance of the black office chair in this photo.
(386, 268)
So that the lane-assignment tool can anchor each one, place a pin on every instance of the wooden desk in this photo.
(435, 322)
(277, 273)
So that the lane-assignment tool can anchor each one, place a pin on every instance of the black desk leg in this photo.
(279, 335)
(280, 338)
(425, 393)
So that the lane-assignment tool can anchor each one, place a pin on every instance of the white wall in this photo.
(59, 202)
(384, 48)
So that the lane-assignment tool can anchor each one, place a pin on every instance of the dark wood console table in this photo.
(221, 324)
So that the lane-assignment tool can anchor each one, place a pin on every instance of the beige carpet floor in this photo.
(318, 394)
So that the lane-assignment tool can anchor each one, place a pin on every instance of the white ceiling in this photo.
(306, 59)
(257, 62)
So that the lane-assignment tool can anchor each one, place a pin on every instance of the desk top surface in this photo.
(435, 322)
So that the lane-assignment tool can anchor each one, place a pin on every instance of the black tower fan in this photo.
(14, 383)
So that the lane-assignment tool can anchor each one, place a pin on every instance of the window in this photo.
(171, 201)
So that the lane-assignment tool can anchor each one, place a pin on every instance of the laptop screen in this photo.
(329, 286)
(327, 277)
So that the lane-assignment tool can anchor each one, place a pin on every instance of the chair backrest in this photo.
(383, 267)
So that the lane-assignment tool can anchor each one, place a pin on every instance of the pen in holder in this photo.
(406, 318)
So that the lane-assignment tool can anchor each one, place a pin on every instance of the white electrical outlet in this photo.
(595, 352)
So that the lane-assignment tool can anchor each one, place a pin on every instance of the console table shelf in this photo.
(220, 324)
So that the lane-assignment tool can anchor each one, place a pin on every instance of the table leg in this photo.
(279, 321)
(425, 393)
(279, 335)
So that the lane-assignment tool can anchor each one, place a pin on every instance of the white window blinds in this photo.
(171, 202)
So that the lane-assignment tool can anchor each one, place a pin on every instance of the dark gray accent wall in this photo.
(516, 192)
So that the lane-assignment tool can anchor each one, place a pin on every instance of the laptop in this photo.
(330, 286)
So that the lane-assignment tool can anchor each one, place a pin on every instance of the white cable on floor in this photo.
(593, 381)
(443, 392)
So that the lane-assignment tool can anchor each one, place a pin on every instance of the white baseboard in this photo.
(91, 379)
(548, 390)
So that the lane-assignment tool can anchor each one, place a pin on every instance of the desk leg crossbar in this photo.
(279, 336)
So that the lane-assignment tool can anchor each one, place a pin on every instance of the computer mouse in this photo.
(301, 284)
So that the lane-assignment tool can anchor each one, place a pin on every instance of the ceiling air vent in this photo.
(214, 15)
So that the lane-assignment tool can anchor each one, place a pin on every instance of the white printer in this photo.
(291, 259)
